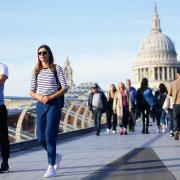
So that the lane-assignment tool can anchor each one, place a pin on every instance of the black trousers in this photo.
(132, 118)
(145, 118)
(124, 121)
(176, 116)
(4, 139)
(171, 121)
(109, 116)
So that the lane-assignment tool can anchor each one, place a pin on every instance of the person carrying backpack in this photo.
(145, 102)
(48, 86)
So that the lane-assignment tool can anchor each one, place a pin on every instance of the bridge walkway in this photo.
(108, 156)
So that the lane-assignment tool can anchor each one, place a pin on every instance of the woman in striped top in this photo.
(44, 88)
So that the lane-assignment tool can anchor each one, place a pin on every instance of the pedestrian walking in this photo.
(160, 113)
(121, 106)
(4, 139)
(168, 107)
(175, 93)
(132, 96)
(145, 102)
(48, 86)
(111, 117)
(97, 104)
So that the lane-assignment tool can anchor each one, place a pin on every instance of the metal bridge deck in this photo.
(109, 156)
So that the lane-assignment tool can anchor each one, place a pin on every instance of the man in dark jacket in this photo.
(97, 104)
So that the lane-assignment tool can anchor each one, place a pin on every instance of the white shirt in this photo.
(4, 69)
(97, 101)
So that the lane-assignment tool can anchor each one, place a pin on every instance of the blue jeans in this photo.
(163, 117)
(97, 113)
(48, 118)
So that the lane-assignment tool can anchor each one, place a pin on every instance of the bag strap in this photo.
(56, 77)
(36, 81)
(57, 80)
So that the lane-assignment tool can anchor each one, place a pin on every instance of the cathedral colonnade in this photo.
(161, 73)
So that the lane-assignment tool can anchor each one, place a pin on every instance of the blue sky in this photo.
(100, 37)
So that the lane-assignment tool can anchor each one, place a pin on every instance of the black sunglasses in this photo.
(42, 53)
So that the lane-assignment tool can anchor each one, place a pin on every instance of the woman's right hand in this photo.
(40, 98)
(36, 96)
(44, 99)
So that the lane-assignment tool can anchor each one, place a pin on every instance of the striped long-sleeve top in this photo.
(45, 83)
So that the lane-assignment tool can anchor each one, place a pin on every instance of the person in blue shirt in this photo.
(132, 95)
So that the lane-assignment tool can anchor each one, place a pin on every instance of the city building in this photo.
(68, 72)
(157, 57)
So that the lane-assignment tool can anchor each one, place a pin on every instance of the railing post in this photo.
(66, 117)
(20, 121)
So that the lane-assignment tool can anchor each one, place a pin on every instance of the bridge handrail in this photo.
(80, 119)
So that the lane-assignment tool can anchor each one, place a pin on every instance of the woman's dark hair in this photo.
(178, 70)
(114, 87)
(51, 59)
(162, 88)
(144, 84)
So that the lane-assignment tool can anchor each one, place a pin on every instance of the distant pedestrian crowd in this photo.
(125, 104)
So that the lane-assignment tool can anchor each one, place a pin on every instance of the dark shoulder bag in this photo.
(59, 87)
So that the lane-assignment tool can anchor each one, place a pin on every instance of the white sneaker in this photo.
(163, 130)
(58, 160)
(51, 172)
(114, 132)
(108, 130)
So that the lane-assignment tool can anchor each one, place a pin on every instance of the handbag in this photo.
(166, 104)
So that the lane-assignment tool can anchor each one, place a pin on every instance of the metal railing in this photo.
(22, 125)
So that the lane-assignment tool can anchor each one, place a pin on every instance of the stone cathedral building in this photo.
(68, 72)
(157, 57)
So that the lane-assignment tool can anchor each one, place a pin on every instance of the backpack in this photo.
(160, 98)
(141, 101)
(148, 96)
(61, 98)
